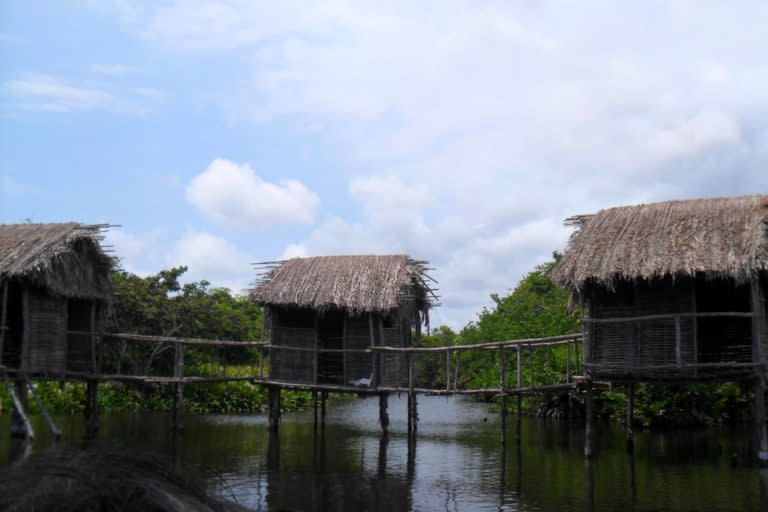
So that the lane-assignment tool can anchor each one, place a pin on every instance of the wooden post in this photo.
(382, 368)
(530, 361)
(383, 412)
(43, 411)
(178, 387)
(447, 370)
(456, 374)
(94, 366)
(678, 343)
(91, 410)
(586, 348)
(630, 416)
(568, 362)
(323, 398)
(316, 357)
(27, 329)
(502, 390)
(374, 376)
(695, 322)
(589, 417)
(314, 410)
(759, 386)
(20, 425)
(519, 426)
(274, 408)
(3, 319)
(411, 425)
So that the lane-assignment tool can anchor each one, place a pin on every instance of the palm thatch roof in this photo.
(65, 258)
(719, 237)
(358, 284)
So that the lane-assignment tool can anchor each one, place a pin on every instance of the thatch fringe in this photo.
(357, 284)
(66, 258)
(719, 237)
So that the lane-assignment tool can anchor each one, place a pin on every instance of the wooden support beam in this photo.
(20, 425)
(178, 387)
(384, 412)
(92, 337)
(372, 339)
(630, 417)
(530, 362)
(3, 319)
(502, 386)
(43, 411)
(447, 371)
(519, 425)
(759, 357)
(381, 367)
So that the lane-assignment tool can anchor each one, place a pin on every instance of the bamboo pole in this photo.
(447, 371)
(373, 354)
(519, 426)
(630, 417)
(759, 386)
(589, 417)
(383, 412)
(178, 387)
(20, 425)
(94, 366)
(43, 411)
(3, 319)
(502, 386)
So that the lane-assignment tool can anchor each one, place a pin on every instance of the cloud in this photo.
(294, 251)
(468, 132)
(56, 94)
(234, 194)
(117, 70)
(214, 259)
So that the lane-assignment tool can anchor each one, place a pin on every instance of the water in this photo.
(457, 463)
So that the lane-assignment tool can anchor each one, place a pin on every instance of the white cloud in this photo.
(294, 251)
(56, 94)
(115, 69)
(470, 131)
(234, 194)
(214, 259)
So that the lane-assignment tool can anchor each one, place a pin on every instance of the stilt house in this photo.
(54, 278)
(324, 313)
(673, 290)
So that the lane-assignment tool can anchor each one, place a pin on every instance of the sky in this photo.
(217, 134)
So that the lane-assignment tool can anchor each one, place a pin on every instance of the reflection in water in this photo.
(457, 462)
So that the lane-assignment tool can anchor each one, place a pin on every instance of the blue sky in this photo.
(217, 134)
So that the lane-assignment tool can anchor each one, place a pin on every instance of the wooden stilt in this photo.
(383, 412)
(178, 388)
(519, 423)
(274, 408)
(589, 417)
(91, 410)
(314, 410)
(759, 357)
(630, 416)
(20, 425)
(43, 411)
(503, 397)
(323, 398)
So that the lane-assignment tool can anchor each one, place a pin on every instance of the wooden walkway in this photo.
(120, 357)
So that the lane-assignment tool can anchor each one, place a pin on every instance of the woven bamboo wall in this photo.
(47, 337)
(394, 367)
(292, 365)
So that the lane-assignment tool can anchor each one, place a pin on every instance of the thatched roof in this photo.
(720, 237)
(66, 258)
(358, 284)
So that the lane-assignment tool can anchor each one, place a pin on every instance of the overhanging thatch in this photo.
(357, 284)
(720, 237)
(65, 258)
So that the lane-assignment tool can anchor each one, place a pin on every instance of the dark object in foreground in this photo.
(98, 479)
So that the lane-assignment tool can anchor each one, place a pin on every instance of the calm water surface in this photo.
(456, 464)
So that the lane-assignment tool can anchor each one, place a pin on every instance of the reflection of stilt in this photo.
(763, 472)
(503, 469)
(589, 415)
(19, 450)
(91, 410)
(589, 484)
(383, 412)
(630, 416)
(632, 482)
(383, 444)
(760, 426)
(273, 451)
(273, 399)
(519, 421)
(410, 467)
(20, 426)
